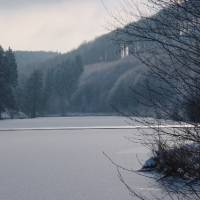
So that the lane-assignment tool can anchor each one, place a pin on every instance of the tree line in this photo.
(49, 92)
(43, 92)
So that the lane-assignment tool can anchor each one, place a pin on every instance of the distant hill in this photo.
(102, 49)
(26, 59)
(107, 81)
(104, 86)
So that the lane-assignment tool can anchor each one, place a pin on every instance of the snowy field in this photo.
(69, 164)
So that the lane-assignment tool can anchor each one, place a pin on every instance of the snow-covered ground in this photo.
(68, 164)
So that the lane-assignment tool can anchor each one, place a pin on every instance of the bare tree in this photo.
(168, 43)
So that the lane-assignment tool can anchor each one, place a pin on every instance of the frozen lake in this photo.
(68, 164)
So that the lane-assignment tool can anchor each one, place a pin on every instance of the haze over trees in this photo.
(103, 81)
(48, 92)
(159, 78)
(97, 87)
(33, 94)
(60, 84)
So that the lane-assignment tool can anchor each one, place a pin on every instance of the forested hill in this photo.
(90, 79)
(27, 59)
(101, 49)
(24, 58)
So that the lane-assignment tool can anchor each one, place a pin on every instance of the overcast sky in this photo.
(52, 25)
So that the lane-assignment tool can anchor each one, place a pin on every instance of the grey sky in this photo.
(56, 25)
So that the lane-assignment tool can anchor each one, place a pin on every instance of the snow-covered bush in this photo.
(178, 160)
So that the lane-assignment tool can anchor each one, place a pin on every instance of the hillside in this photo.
(102, 49)
(103, 86)
(106, 83)
(26, 60)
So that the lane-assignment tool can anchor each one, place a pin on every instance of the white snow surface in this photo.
(69, 164)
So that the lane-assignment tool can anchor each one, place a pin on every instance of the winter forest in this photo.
(52, 84)
(113, 117)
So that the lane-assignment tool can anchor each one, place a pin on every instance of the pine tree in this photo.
(66, 80)
(33, 94)
(2, 81)
(8, 80)
(12, 67)
(48, 90)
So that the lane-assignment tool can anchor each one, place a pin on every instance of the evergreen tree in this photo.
(33, 94)
(61, 87)
(12, 67)
(48, 90)
(66, 81)
(8, 80)
(2, 81)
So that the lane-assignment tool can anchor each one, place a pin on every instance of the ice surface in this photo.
(68, 165)
(64, 121)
